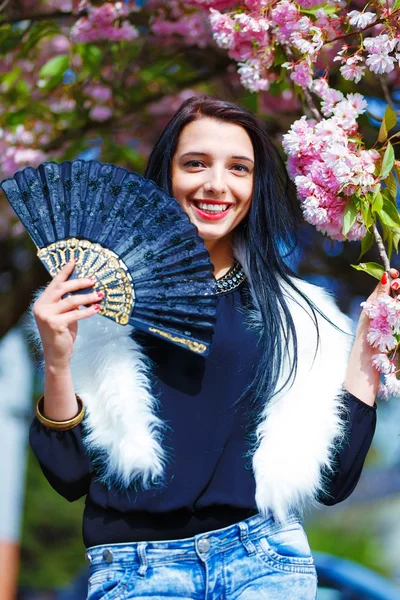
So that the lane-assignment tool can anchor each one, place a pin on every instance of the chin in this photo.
(211, 236)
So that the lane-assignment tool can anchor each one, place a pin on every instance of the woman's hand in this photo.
(362, 378)
(57, 318)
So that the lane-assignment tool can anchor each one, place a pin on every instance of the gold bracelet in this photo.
(60, 425)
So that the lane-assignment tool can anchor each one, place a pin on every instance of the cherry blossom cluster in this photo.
(19, 148)
(105, 22)
(99, 101)
(172, 23)
(257, 33)
(329, 163)
(384, 335)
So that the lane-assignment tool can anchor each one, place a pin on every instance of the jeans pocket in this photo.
(287, 548)
(107, 583)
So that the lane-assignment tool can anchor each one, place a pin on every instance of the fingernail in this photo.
(395, 285)
(96, 307)
(384, 278)
(100, 294)
(396, 273)
(92, 279)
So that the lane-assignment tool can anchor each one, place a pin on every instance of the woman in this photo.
(195, 490)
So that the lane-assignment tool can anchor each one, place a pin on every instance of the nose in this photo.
(216, 182)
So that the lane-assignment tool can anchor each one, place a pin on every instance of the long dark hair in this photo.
(267, 232)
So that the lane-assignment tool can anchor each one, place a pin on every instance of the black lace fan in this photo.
(138, 243)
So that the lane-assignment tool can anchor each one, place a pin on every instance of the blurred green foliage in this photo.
(52, 550)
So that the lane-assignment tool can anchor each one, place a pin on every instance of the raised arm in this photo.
(59, 449)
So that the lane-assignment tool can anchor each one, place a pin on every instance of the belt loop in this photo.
(141, 550)
(244, 538)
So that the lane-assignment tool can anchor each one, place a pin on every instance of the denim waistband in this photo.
(204, 545)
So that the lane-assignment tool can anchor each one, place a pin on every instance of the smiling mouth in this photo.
(212, 208)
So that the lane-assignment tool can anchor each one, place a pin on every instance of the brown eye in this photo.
(241, 168)
(194, 163)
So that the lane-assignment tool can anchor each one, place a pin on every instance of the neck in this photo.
(221, 254)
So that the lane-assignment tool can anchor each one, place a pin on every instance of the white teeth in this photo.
(212, 207)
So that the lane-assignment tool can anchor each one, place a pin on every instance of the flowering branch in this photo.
(381, 247)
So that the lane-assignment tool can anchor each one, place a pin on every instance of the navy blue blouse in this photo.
(209, 481)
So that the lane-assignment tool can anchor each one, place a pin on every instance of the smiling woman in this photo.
(262, 427)
(213, 183)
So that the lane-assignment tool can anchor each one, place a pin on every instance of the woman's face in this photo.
(212, 176)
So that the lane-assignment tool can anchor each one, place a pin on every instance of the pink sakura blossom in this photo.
(384, 313)
(223, 28)
(361, 19)
(100, 24)
(285, 17)
(257, 4)
(329, 24)
(17, 150)
(329, 96)
(392, 386)
(379, 47)
(248, 35)
(253, 77)
(348, 110)
(212, 4)
(383, 392)
(301, 73)
(380, 63)
(327, 166)
(351, 70)
(62, 5)
(100, 113)
(59, 44)
(382, 363)
(380, 44)
(190, 27)
(100, 93)
(308, 3)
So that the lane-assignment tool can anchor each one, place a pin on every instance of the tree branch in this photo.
(381, 247)
(381, 20)
(311, 105)
(136, 18)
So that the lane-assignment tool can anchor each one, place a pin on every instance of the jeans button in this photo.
(108, 555)
(204, 545)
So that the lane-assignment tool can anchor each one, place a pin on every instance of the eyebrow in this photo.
(205, 154)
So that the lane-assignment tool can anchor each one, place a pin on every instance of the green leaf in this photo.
(366, 243)
(387, 162)
(388, 122)
(55, 67)
(91, 56)
(383, 133)
(349, 217)
(17, 118)
(389, 215)
(397, 169)
(374, 269)
(9, 79)
(390, 118)
(396, 240)
(396, 5)
(366, 213)
(377, 202)
(391, 185)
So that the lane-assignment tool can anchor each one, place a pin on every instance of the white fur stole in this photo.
(296, 436)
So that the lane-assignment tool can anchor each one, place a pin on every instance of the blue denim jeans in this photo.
(255, 559)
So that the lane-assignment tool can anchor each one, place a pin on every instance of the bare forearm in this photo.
(362, 379)
(59, 396)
